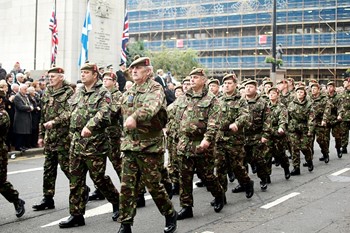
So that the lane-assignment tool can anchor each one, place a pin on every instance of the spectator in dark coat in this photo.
(22, 125)
(34, 99)
(2, 72)
(121, 76)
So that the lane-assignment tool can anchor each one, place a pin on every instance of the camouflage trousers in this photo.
(173, 163)
(115, 155)
(52, 159)
(230, 157)
(336, 130)
(322, 135)
(254, 156)
(6, 188)
(203, 165)
(79, 165)
(300, 141)
(345, 125)
(140, 167)
(276, 148)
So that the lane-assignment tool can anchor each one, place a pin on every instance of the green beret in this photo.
(282, 81)
(89, 66)
(272, 89)
(110, 74)
(198, 71)
(268, 82)
(301, 87)
(266, 79)
(241, 87)
(290, 80)
(57, 70)
(315, 84)
(188, 78)
(330, 83)
(214, 81)
(177, 87)
(142, 61)
(229, 76)
(255, 83)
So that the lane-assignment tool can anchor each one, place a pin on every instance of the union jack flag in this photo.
(54, 37)
(125, 38)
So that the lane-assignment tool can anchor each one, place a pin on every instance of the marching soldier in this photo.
(6, 188)
(90, 116)
(53, 133)
(144, 113)
(344, 115)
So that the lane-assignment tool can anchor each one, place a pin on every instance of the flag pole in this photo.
(35, 32)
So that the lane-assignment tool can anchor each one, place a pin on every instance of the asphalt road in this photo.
(312, 202)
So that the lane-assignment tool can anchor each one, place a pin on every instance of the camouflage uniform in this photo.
(300, 128)
(90, 109)
(229, 147)
(276, 145)
(56, 141)
(143, 149)
(253, 133)
(344, 113)
(322, 133)
(198, 115)
(6, 188)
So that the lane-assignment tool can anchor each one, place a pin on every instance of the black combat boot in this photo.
(169, 189)
(170, 223)
(326, 158)
(212, 203)
(46, 203)
(339, 153)
(115, 212)
(268, 180)
(200, 184)
(305, 164)
(238, 189)
(295, 171)
(176, 189)
(219, 203)
(286, 172)
(249, 189)
(19, 207)
(185, 212)
(96, 195)
(344, 150)
(86, 194)
(263, 184)
(73, 221)
(231, 176)
(125, 228)
(141, 202)
(310, 166)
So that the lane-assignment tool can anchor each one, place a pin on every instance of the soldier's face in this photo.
(108, 82)
(197, 82)
(301, 94)
(140, 74)
(88, 77)
(273, 95)
(250, 90)
(186, 86)
(229, 86)
(346, 84)
(214, 88)
(178, 92)
(330, 88)
(281, 86)
(315, 90)
(55, 80)
(267, 87)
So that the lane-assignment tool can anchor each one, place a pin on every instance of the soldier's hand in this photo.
(339, 118)
(130, 123)
(49, 124)
(233, 127)
(323, 123)
(204, 144)
(280, 131)
(264, 140)
(85, 133)
(40, 142)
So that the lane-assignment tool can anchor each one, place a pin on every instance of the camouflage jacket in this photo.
(279, 118)
(287, 98)
(115, 129)
(300, 116)
(344, 110)
(198, 114)
(4, 127)
(332, 109)
(90, 109)
(318, 105)
(233, 109)
(146, 103)
(259, 113)
(55, 107)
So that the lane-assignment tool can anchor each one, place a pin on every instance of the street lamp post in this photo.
(274, 31)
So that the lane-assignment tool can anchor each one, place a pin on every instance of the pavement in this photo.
(29, 153)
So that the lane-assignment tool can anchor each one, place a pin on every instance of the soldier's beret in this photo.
(272, 89)
(290, 80)
(89, 66)
(282, 81)
(214, 81)
(301, 87)
(109, 66)
(141, 61)
(122, 63)
(253, 82)
(266, 79)
(268, 82)
(57, 70)
(188, 78)
(198, 71)
(315, 85)
(312, 81)
(177, 87)
(300, 83)
(101, 68)
(229, 76)
(330, 83)
(241, 87)
(110, 74)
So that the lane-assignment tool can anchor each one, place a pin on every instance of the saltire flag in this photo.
(54, 37)
(125, 38)
(85, 37)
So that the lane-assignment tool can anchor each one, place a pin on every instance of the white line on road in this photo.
(25, 171)
(340, 172)
(279, 200)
